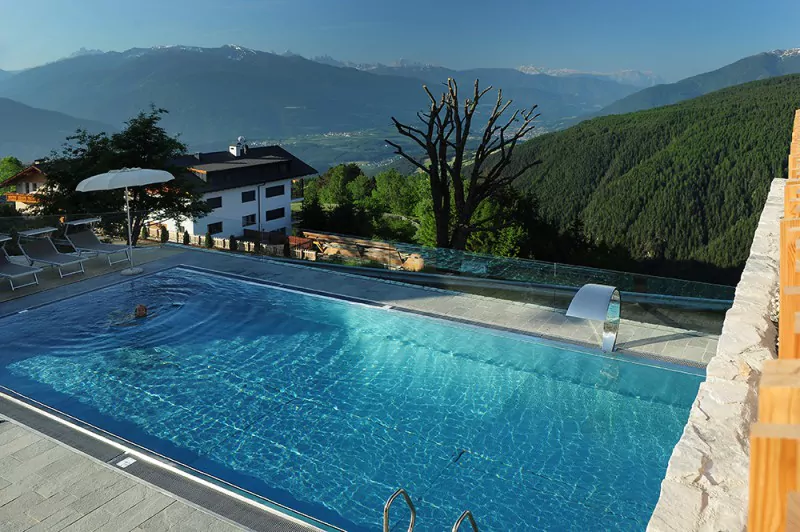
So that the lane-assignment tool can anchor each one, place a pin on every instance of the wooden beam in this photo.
(779, 397)
(774, 473)
(781, 367)
(793, 511)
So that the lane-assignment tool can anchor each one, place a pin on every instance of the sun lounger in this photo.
(39, 248)
(85, 241)
(12, 271)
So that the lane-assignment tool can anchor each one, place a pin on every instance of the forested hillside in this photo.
(676, 184)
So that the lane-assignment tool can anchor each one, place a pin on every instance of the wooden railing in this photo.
(23, 198)
(774, 501)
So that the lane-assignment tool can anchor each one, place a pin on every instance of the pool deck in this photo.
(37, 471)
(45, 485)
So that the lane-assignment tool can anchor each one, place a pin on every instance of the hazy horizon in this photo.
(577, 34)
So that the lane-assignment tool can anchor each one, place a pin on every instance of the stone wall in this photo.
(705, 487)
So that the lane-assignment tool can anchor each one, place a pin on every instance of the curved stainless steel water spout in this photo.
(389, 502)
(466, 515)
(599, 302)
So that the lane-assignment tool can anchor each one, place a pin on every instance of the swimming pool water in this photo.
(328, 406)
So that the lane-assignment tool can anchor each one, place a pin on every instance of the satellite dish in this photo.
(241, 140)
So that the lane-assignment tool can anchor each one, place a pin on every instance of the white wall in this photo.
(232, 211)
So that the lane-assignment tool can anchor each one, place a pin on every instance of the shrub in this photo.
(186, 238)
(145, 232)
(257, 249)
(164, 234)
(233, 244)
(209, 240)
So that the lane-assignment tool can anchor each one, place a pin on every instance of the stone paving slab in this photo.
(83, 494)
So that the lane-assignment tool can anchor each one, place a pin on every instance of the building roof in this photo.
(27, 172)
(219, 170)
(239, 162)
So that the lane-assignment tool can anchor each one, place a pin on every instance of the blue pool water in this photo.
(328, 406)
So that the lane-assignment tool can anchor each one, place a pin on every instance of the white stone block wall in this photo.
(706, 484)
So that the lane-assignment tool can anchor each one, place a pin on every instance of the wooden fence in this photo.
(774, 500)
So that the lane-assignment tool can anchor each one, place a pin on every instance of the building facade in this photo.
(248, 189)
(25, 187)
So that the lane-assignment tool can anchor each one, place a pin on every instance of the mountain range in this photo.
(217, 94)
(29, 133)
(634, 78)
(329, 110)
(761, 66)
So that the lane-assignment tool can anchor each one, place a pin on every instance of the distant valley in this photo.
(217, 94)
(325, 110)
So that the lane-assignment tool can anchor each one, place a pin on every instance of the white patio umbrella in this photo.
(125, 178)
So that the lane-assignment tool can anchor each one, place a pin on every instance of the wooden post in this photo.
(774, 473)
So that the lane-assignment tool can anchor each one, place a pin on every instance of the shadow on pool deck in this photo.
(95, 267)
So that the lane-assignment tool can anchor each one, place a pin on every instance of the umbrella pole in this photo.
(130, 234)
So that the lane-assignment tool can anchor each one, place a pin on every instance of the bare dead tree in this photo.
(472, 176)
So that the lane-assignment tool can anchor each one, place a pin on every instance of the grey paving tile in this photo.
(89, 522)
(20, 441)
(36, 463)
(50, 505)
(138, 514)
(102, 495)
(58, 521)
(34, 449)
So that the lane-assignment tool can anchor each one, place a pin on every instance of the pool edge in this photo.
(155, 469)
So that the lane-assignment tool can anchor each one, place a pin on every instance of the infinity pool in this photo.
(327, 406)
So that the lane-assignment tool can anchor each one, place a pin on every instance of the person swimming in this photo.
(122, 319)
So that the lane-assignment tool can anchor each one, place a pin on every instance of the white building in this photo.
(247, 188)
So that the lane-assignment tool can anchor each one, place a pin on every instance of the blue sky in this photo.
(675, 39)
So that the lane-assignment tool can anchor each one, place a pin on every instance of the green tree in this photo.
(143, 143)
(396, 192)
(186, 238)
(9, 166)
(360, 189)
(332, 185)
(209, 241)
(164, 236)
(312, 215)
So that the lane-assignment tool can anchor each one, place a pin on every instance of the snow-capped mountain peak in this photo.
(636, 78)
(791, 52)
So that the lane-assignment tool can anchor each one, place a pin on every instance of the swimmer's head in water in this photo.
(141, 311)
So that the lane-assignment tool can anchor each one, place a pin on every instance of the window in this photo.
(250, 219)
(248, 196)
(27, 188)
(34, 186)
(274, 191)
(215, 203)
(275, 214)
(215, 228)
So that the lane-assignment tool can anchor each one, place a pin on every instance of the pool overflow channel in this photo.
(406, 497)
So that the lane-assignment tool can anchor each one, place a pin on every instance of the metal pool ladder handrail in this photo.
(410, 504)
(466, 515)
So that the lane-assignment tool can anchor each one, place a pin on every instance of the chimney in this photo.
(197, 155)
(235, 149)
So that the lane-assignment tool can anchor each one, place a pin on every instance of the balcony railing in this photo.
(22, 198)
